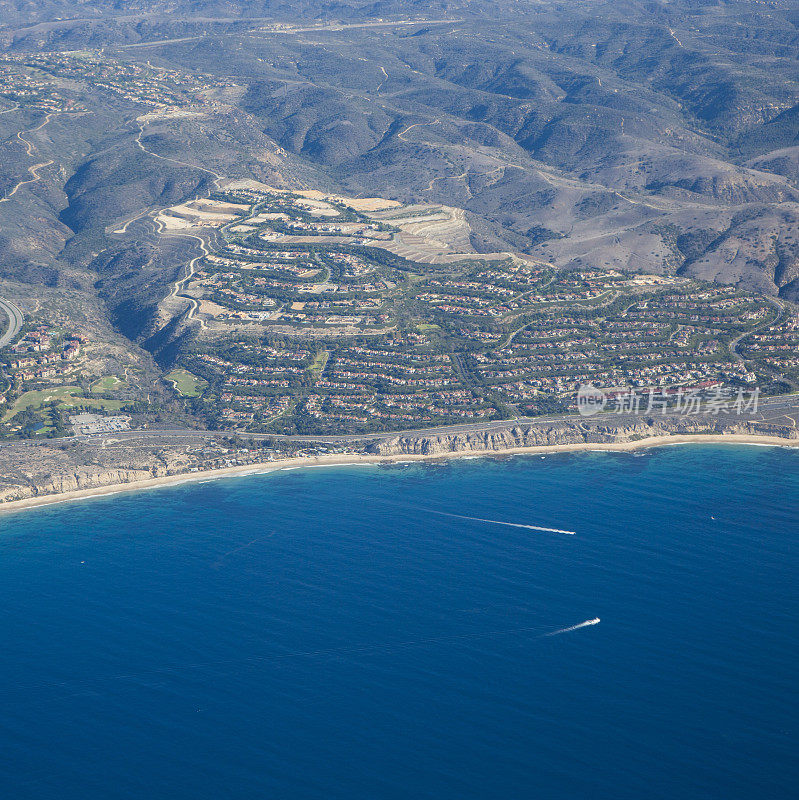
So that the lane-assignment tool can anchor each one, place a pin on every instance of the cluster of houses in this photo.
(459, 353)
(43, 353)
(777, 346)
(554, 357)
(29, 77)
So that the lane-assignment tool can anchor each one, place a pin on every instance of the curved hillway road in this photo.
(15, 320)
(401, 134)
(29, 146)
(217, 176)
(179, 284)
(34, 170)
(118, 227)
(29, 150)
(124, 227)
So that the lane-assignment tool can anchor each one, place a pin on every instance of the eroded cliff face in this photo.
(91, 479)
(51, 469)
(88, 478)
(47, 468)
(537, 435)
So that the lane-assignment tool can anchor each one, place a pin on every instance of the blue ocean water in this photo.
(321, 633)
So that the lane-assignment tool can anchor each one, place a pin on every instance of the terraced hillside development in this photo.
(428, 233)
(316, 312)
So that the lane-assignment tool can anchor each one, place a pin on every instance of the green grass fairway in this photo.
(38, 398)
(69, 397)
(319, 363)
(185, 383)
(107, 384)
(92, 402)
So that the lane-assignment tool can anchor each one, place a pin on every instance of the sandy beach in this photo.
(354, 459)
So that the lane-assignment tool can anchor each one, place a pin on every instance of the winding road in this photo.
(179, 285)
(138, 141)
(30, 149)
(34, 170)
(733, 345)
(15, 321)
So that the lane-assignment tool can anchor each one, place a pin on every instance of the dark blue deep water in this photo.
(321, 633)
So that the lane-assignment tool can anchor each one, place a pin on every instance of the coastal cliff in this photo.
(45, 469)
(77, 480)
(571, 433)
(38, 473)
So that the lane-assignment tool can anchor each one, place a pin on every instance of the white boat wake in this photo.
(500, 522)
(594, 621)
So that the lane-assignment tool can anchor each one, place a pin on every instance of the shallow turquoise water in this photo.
(322, 633)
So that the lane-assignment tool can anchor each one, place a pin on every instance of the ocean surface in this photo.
(334, 633)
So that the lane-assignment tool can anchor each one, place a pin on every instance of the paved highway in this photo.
(15, 320)
(780, 410)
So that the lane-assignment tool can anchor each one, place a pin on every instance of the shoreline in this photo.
(359, 459)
